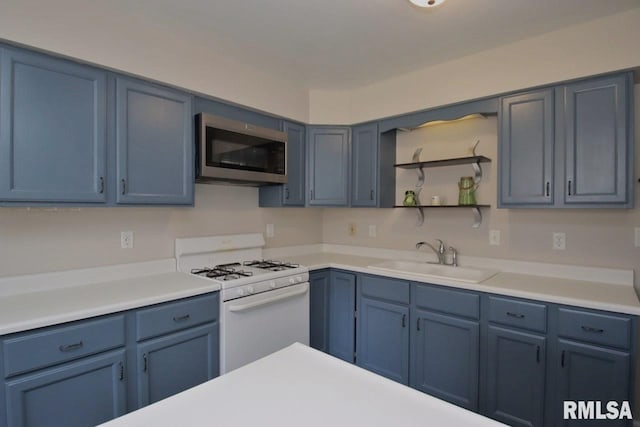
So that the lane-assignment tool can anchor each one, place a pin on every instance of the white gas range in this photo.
(264, 303)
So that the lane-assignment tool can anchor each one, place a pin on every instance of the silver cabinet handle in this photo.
(286, 192)
(121, 371)
(71, 347)
(124, 186)
(404, 320)
(538, 354)
(182, 318)
(145, 364)
(516, 315)
(562, 359)
(547, 187)
(371, 196)
(311, 192)
(101, 185)
(569, 187)
(418, 324)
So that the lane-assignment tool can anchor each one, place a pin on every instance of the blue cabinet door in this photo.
(318, 309)
(83, 393)
(364, 165)
(176, 362)
(445, 357)
(587, 372)
(383, 339)
(596, 136)
(293, 192)
(155, 148)
(515, 377)
(52, 129)
(328, 166)
(526, 144)
(341, 320)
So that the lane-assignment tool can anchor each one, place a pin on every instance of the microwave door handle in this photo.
(245, 307)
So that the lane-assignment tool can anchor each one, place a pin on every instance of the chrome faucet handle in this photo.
(441, 248)
(454, 256)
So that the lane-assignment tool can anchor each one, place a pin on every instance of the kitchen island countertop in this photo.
(301, 386)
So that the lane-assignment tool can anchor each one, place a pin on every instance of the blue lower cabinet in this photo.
(176, 362)
(86, 392)
(341, 299)
(318, 290)
(515, 377)
(585, 372)
(383, 339)
(445, 356)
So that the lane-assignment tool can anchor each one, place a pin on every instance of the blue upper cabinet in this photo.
(596, 137)
(52, 130)
(293, 192)
(364, 165)
(569, 152)
(526, 142)
(328, 151)
(155, 148)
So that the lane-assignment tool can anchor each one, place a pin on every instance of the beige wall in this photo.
(606, 44)
(40, 240)
(149, 48)
(602, 238)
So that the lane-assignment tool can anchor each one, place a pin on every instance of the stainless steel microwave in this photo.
(239, 153)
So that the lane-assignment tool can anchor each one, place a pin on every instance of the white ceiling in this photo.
(340, 44)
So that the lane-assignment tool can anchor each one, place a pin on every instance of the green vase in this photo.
(410, 198)
(467, 195)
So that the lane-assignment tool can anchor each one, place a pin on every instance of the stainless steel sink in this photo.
(437, 271)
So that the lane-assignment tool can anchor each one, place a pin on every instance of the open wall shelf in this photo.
(445, 162)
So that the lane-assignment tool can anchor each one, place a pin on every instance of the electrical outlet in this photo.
(126, 239)
(352, 229)
(494, 237)
(559, 241)
(373, 231)
(637, 237)
(270, 230)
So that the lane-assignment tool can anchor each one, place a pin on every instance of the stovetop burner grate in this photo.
(223, 272)
(270, 265)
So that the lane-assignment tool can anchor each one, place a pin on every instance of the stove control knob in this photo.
(272, 285)
(291, 280)
(250, 290)
(241, 292)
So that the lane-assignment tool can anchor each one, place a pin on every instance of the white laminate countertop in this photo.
(599, 296)
(301, 386)
(24, 311)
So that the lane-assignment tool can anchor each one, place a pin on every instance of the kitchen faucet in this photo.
(440, 253)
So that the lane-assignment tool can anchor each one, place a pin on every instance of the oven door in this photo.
(258, 325)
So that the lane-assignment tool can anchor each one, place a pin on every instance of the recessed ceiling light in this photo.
(427, 3)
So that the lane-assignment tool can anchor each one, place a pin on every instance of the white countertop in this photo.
(596, 295)
(301, 386)
(24, 311)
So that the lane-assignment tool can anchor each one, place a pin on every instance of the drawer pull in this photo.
(71, 347)
(145, 363)
(418, 324)
(182, 318)
(593, 330)
(538, 354)
(404, 320)
(516, 315)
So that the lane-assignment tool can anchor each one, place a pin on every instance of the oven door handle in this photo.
(245, 307)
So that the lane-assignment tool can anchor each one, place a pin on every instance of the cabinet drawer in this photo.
(595, 327)
(34, 350)
(521, 314)
(385, 288)
(447, 301)
(174, 316)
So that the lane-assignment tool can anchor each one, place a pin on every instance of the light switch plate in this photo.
(352, 229)
(373, 230)
(559, 241)
(270, 230)
(494, 237)
(126, 240)
(637, 237)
